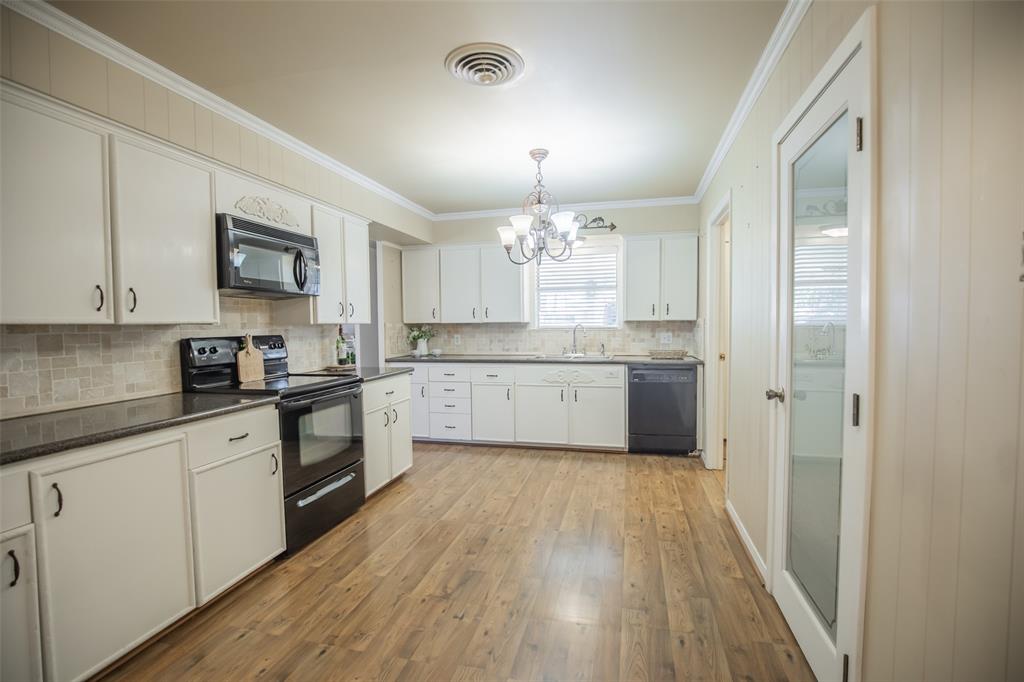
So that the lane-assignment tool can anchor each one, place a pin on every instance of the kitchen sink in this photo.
(573, 356)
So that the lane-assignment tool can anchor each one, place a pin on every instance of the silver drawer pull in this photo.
(323, 491)
(448, 390)
(449, 374)
(447, 426)
(447, 405)
(492, 376)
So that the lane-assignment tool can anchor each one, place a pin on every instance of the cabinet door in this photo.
(542, 414)
(494, 413)
(420, 411)
(597, 416)
(164, 237)
(501, 286)
(679, 277)
(377, 448)
(460, 285)
(19, 607)
(357, 271)
(115, 552)
(330, 304)
(643, 278)
(54, 231)
(237, 518)
(421, 286)
(401, 437)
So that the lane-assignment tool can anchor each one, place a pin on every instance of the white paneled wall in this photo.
(945, 594)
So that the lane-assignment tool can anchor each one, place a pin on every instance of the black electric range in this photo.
(321, 428)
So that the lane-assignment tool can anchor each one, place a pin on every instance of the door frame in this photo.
(711, 451)
(860, 39)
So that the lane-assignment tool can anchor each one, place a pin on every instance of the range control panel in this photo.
(212, 352)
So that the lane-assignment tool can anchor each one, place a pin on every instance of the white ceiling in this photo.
(631, 97)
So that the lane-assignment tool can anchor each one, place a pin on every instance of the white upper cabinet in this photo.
(460, 284)
(501, 286)
(643, 278)
(330, 306)
(679, 277)
(357, 271)
(55, 262)
(262, 203)
(164, 237)
(661, 278)
(421, 286)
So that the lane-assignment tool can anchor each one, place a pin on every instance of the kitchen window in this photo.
(819, 284)
(585, 289)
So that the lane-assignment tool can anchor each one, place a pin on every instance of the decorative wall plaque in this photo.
(266, 209)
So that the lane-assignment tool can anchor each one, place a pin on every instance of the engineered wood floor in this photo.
(503, 564)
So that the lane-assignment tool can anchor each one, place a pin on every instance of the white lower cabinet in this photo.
(19, 607)
(387, 433)
(494, 412)
(420, 409)
(237, 518)
(542, 414)
(597, 416)
(115, 551)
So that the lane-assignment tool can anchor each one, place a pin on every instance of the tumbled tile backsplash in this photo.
(56, 367)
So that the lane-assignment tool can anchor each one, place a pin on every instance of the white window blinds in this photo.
(819, 283)
(582, 290)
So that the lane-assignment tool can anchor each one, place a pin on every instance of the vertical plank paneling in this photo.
(993, 392)
(78, 75)
(5, 42)
(30, 53)
(126, 98)
(249, 154)
(157, 113)
(891, 341)
(204, 130)
(925, 116)
(226, 140)
(181, 118)
(954, 268)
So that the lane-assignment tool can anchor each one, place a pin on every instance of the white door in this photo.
(494, 413)
(421, 286)
(501, 286)
(55, 263)
(679, 277)
(164, 237)
(331, 306)
(237, 518)
(643, 278)
(115, 553)
(460, 285)
(401, 437)
(597, 416)
(542, 414)
(821, 392)
(19, 607)
(357, 271)
(420, 408)
(377, 448)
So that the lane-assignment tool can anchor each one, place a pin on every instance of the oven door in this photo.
(321, 434)
(261, 263)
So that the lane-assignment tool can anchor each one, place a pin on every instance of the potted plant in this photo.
(420, 336)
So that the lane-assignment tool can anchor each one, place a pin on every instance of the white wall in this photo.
(945, 593)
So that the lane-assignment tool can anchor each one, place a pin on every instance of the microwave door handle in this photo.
(296, 264)
(302, 270)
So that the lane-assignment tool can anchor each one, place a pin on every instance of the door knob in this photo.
(779, 395)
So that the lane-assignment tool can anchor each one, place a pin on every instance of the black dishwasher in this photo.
(663, 408)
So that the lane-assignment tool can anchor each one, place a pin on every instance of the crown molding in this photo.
(83, 34)
(579, 208)
(790, 20)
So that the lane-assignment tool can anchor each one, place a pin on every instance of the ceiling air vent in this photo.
(484, 64)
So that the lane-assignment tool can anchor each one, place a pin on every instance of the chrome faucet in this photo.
(578, 326)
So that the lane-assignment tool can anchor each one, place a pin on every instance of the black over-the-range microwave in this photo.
(262, 261)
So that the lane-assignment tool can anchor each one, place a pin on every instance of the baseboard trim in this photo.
(748, 543)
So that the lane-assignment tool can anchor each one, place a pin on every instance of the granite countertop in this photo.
(373, 373)
(23, 438)
(532, 358)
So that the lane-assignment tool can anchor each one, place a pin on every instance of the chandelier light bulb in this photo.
(507, 235)
(521, 224)
(564, 221)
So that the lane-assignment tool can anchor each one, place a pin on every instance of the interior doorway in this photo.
(724, 333)
(717, 334)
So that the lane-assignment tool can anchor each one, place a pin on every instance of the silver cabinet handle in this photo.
(448, 390)
(448, 426)
(491, 376)
(449, 406)
(449, 374)
(772, 394)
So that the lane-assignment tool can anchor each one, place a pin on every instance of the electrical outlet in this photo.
(457, 339)
(666, 338)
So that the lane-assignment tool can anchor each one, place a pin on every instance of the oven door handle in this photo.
(327, 489)
(295, 404)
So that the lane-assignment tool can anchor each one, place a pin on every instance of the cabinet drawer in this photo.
(215, 439)
(448, 390)
(451, 426)
(450, 373)
(377, 394)
(505, 374)
(420, 373)
(451, 405)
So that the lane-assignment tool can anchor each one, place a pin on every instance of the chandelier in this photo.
(542, 228)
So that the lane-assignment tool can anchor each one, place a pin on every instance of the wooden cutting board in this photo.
(250, 362)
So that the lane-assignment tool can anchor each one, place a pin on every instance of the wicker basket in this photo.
(679, 354)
